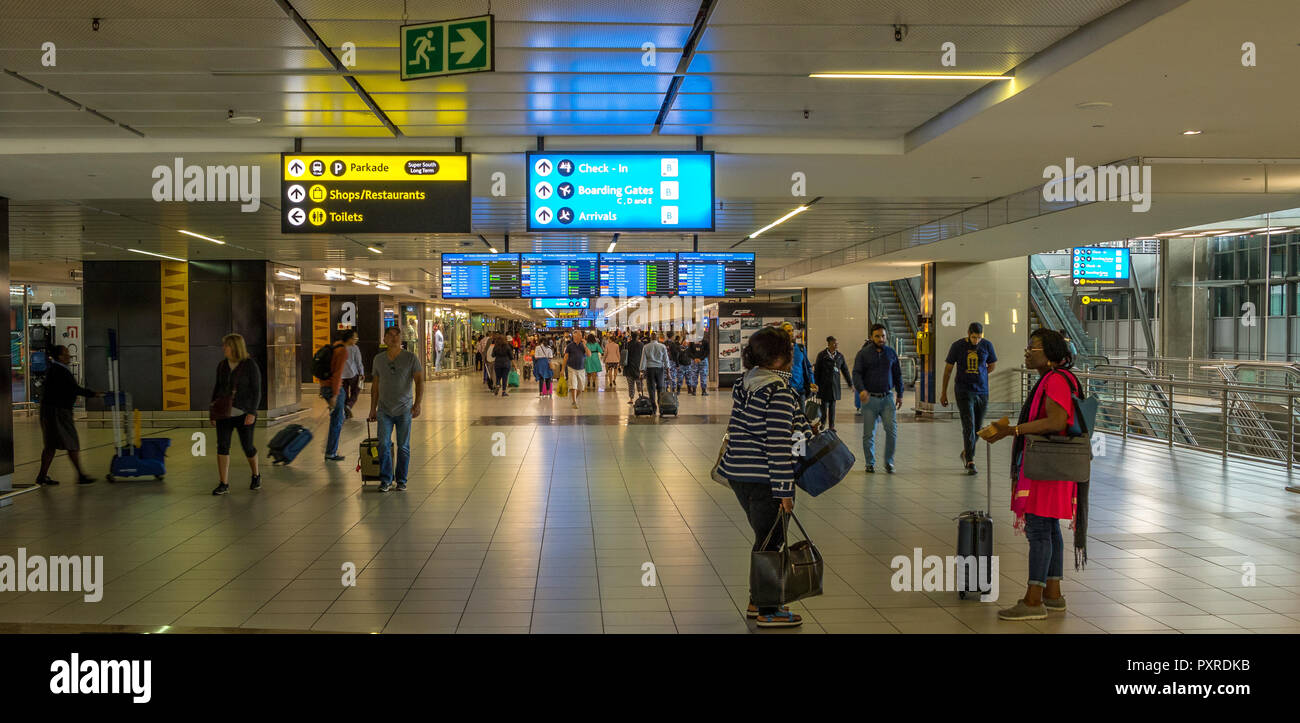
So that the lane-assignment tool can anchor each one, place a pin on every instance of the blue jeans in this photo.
(1046, 549)
(386, 424)
(881, 408)
(336, 422)
(971, 408)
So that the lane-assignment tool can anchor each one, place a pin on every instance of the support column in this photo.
(6, 389)
(175, 336)
(996, 294)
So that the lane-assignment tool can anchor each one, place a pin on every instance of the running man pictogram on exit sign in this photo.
(447, 47)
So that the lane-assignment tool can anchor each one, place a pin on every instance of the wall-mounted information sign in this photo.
(715, 274)
(558, 275)
(1099, 266)
(480, 276)
(638, 274)
(374, 193)
(623, 191)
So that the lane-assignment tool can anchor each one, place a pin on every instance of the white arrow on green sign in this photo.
(447, 47)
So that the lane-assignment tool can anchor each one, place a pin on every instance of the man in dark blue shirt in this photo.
(974, 358)
(878, 380)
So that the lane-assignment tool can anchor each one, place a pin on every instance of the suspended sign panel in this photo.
(374, 193)
(625, 191)
(480, 276)
(1100, 267)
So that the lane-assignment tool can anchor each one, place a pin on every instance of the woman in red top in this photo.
(1040, 505)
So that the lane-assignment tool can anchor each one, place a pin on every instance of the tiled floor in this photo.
(551, 534)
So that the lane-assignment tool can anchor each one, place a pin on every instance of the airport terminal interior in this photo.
(568, 245)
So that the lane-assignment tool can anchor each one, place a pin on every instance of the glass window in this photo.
(1223, 266)
(1277, 300)
(1276, 261)
(1223, 305)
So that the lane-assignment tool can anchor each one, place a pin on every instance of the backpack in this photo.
(683, 356)
(322, 361)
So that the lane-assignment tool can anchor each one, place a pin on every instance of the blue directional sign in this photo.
(561, 303)
(1098, 266)
(623, 191)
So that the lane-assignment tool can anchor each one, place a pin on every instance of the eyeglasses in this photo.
(1033, 348)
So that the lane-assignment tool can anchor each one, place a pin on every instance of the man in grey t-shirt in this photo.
(392, 406)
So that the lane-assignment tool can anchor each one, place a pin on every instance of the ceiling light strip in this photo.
(69, 101)
(910, 76)
(778, 222)
(161, 256)
(684, 63)
(199, 235)
(324, 49)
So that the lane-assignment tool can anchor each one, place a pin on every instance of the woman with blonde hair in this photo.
(236, 395)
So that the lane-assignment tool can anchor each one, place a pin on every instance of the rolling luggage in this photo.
(287, 443)
(132, 456)
(368, 464)
(975, 540)
(642, 406)
(667, 403)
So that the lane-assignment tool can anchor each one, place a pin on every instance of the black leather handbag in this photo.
(780, 577)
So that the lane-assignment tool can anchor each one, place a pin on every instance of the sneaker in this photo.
(85, 479)
(46, 481)
(221, 489)
(401, 486)
(1054, 605)
(334, 458)
(871, 469)
(385, 486)
(257, 482)
(889, 468)
(1021, 611)
(970, 469)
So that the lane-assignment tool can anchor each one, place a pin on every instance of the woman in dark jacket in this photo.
(502, 362)
(830, 361)
(238, 379)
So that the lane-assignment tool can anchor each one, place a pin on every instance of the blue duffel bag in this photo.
(826, 461)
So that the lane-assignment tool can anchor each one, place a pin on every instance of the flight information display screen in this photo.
(715, 274)
(480, 276)
(1095, 266)
(638, 274)
(620, 191)
(558, 275)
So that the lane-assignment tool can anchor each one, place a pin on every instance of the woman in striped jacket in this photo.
(766, 425)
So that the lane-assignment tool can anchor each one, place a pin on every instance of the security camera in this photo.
(94, 24)
(805, 114)
(900, 32)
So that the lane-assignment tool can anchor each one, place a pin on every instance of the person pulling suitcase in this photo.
(392, 405)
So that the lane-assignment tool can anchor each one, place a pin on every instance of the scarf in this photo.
(1080, 522)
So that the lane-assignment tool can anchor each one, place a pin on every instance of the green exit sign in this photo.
(447, 47)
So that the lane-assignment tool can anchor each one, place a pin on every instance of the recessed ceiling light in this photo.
(1094, 105)
(1192, 133)
(241, 119)
(373, 250)
(1098, 125)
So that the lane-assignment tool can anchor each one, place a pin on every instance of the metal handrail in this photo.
(1252, 422)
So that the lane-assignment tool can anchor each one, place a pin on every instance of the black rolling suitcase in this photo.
(975, 540)
(643, 407)
(667, 403)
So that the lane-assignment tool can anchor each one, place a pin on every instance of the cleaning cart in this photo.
(132, 456)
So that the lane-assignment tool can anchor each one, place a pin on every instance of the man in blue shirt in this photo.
(878, 380)
(801, 371)
(975, 359)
